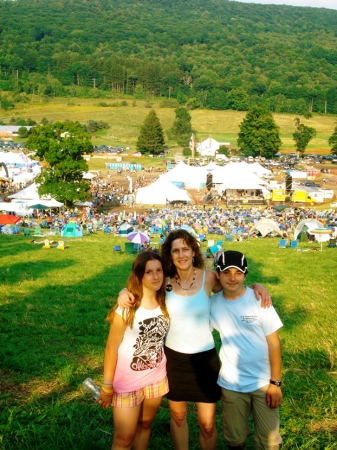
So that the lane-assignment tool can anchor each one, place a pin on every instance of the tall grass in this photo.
(125, 121)
(53, 306)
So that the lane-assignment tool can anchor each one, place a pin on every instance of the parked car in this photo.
(310, 184)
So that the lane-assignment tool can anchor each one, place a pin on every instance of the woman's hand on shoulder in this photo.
(125, 299)
(262, 293)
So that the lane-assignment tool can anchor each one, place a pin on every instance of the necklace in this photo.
(193, 280)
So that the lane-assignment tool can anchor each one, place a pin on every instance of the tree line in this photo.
(216, 55)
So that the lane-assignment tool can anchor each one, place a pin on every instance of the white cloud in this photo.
(331, 4)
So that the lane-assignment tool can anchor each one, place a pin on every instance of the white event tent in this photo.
(31, 196)
(159, 192)
(189, 176)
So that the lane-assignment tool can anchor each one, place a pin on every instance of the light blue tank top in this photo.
(189, 330)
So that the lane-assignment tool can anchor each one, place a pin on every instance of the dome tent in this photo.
(71, 229)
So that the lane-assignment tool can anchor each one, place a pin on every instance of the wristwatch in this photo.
(277, 382)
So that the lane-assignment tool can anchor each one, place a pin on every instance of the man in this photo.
(250, 355)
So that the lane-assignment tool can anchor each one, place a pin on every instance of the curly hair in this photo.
(188, 239)
(135, 286)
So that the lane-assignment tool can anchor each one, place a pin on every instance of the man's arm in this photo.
(274, 393)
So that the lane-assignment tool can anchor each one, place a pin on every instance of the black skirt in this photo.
(193, 377)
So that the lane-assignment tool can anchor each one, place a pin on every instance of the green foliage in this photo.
(333, 142)
(151, 137)
(187, 151)
(22, 132)
(221, 54)
(259, 135)
(303, 135)
(62, 146)
(223, 150)
(139, 92)
(182, 127)
(92, 126)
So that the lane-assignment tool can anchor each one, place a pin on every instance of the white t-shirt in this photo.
(243, 326)
(141, 358)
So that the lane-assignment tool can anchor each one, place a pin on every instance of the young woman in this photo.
(192, 362)
(135, 364)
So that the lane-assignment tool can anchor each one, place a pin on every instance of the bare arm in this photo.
(125, 299)
(116, 333)
(274, 393)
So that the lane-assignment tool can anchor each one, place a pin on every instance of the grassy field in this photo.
(53, 305)
(125, 121)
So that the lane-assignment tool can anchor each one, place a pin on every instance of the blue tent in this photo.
(71, 229)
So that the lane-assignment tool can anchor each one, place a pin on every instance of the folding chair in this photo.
(332, 243)
(117, 249)
(228, 237)
(26, 231)
(282, 243)
(129, 248)
(46, 243)
(210, 243)
(294, 243)
(60, 245)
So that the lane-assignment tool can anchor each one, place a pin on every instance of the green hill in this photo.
(217, 54)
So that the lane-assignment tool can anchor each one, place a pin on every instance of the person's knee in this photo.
(207, 427)
(179, 417)
(123, 440)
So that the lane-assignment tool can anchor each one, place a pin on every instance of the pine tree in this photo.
(182, 128)
(259, 134)
(151, 137)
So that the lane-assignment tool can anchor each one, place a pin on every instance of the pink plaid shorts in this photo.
(135, 398)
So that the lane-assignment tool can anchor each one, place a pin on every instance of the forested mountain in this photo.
(216, 54)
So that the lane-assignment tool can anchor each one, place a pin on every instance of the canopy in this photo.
(310, 224)
(160, 192)
(266, 226)
(6, 219)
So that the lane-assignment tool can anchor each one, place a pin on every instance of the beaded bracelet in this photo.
(107, 391)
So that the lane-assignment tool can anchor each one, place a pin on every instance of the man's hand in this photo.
(263, 294)
(274, 396)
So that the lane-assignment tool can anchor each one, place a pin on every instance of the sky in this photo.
(332, 4)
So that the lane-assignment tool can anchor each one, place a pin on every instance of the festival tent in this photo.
(88, 175)
(259, 170)
(71, 229)
(28, 193)
(188, 176)
(32, 196)
(160, 192)
(307, 225)
(266, 226)
(244, 181)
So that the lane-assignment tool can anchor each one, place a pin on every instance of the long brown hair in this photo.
(188, 239)
(135, 286)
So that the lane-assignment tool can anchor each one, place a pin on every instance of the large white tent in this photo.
(159, 192)
(31, 196)
(189, 176)
(28, 193)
